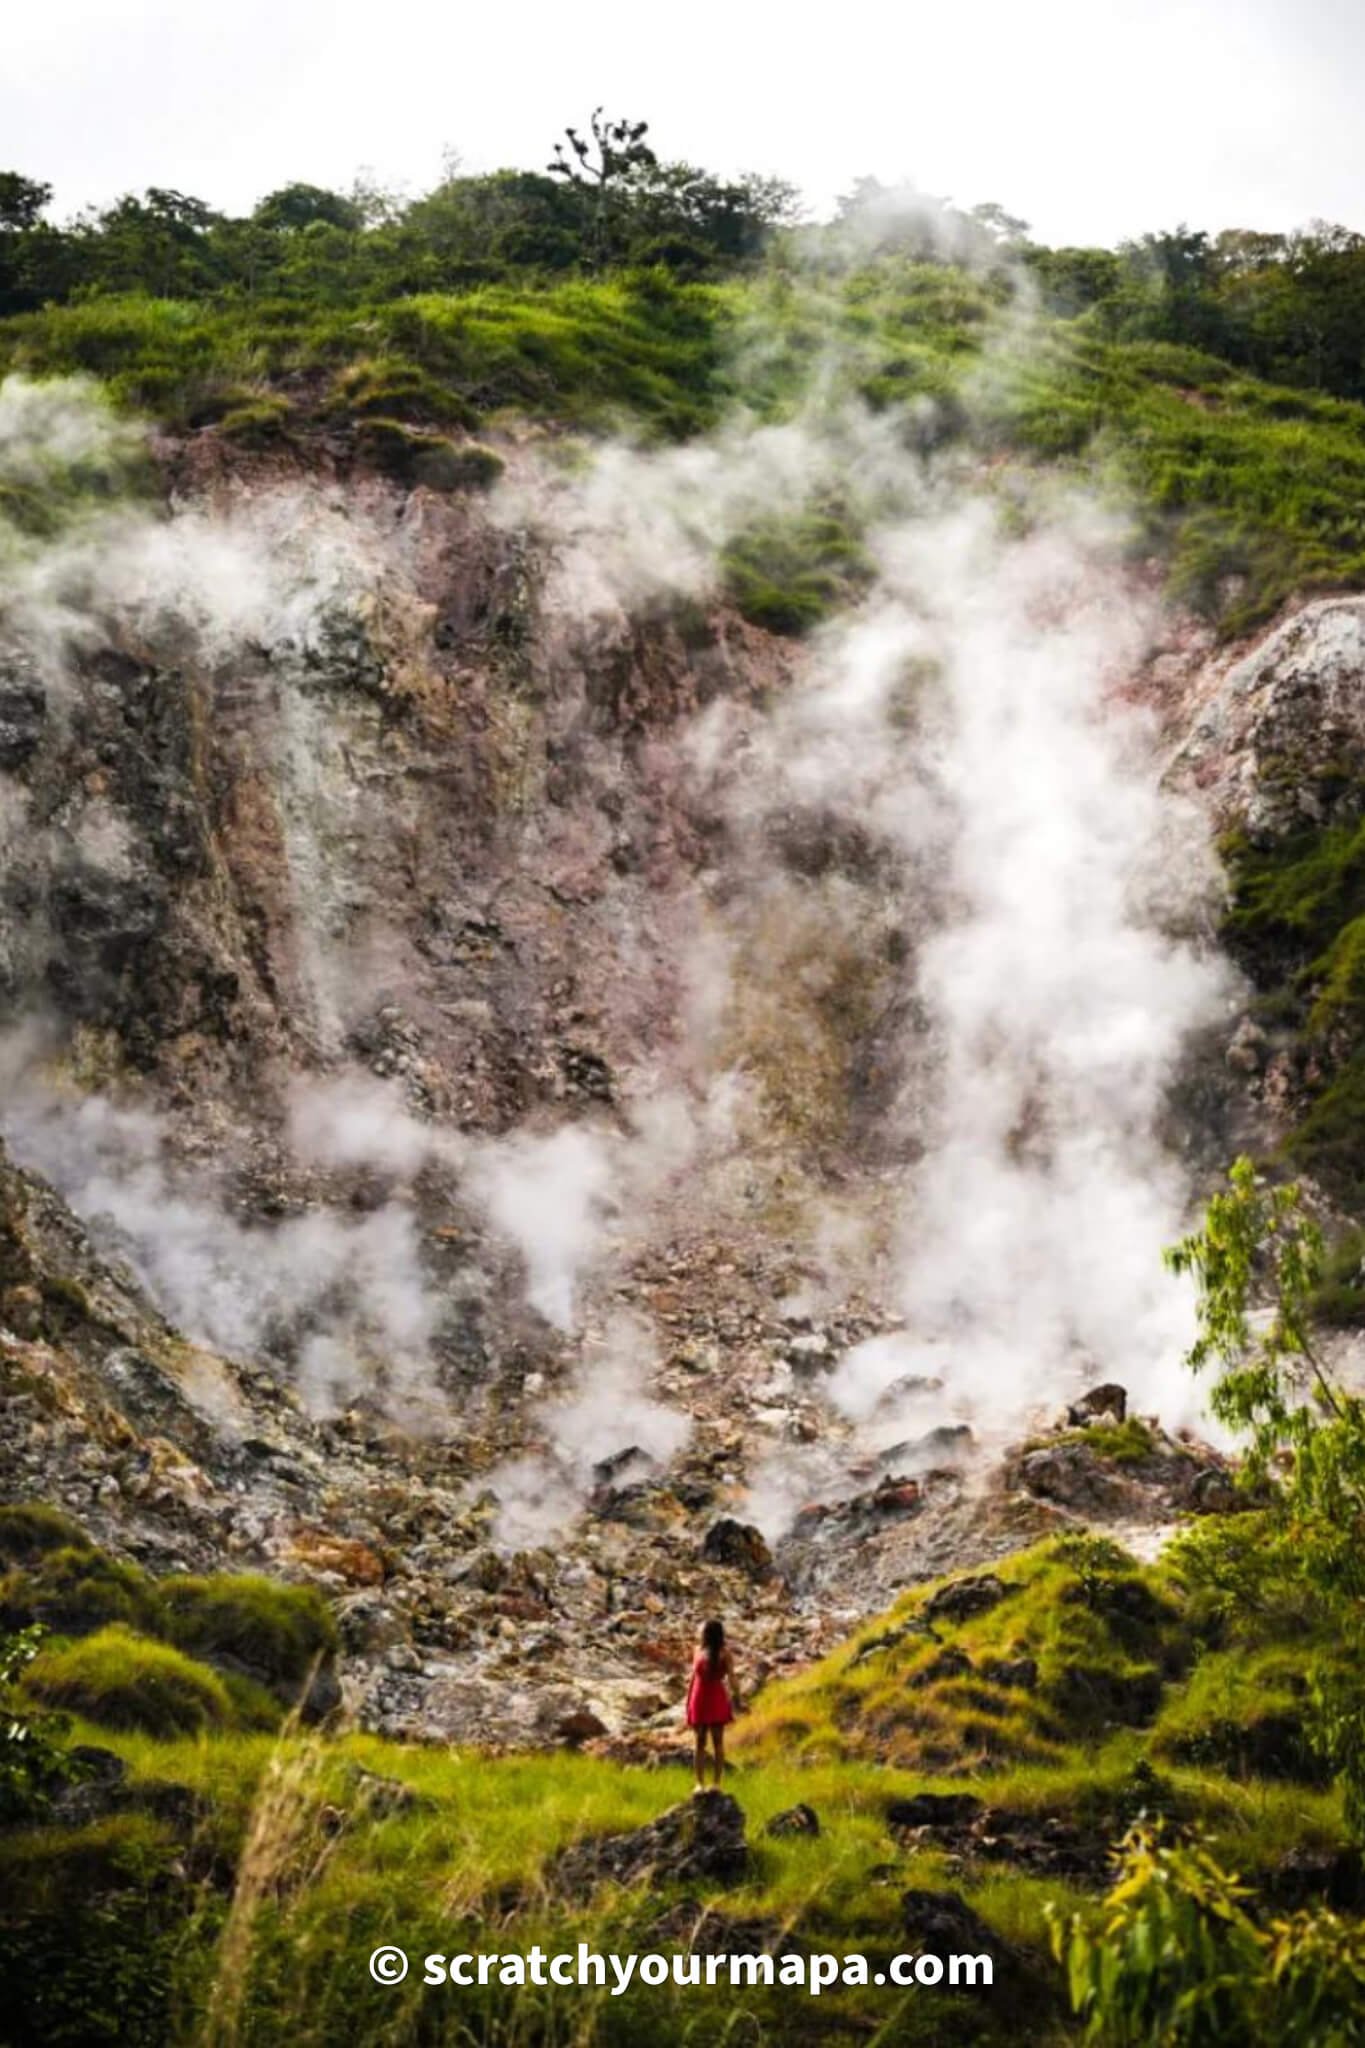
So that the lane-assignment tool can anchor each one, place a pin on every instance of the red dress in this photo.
(708, 1696)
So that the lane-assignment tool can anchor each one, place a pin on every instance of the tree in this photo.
(158, 244)
(621, 152)
(22, 229)
(298, 206)
(1257, 1263)
(621, 149)
(22, 201)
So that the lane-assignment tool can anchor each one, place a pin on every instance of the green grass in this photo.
(277, 1632)
(266, 1637)
(418, 456)
(1250, 490)
(321, 1872)
(76, 1589)
(1101, 1634)
(789, 574)
(1243, 1711)
(118, 1679)
(29, 1529)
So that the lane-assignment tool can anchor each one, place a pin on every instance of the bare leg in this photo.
(718, 1745)
(699, 1760)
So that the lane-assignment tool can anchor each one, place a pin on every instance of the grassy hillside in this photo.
(1251, 490)
(247, 1876)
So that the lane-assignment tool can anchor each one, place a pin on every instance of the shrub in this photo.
(28, 1530)
(1174, 1956)
(790, 574)
(271, 1632)
(388, 387)
(30, 1759)
(423, 458)
(123, 1680)
(257, 422)
(1245, 1713)
(75, 1590)
(93, 1920)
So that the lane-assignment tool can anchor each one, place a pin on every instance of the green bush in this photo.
(425, 458)
(273, 1633)
(93, 1920)
(789, 574)
(257, 422)
(122, 1680)
(76, 1589)
(390, 388)
(1245, 1713)
(1175, 1957)
(31, 1758)
(28, 1530)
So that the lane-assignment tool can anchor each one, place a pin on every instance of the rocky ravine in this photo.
(448, 839)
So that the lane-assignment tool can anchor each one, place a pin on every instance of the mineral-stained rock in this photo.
(701, 1840)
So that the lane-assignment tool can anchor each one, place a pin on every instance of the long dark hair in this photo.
(713, 1642)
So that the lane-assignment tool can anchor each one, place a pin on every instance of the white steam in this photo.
(966, 726)
(606, 1414)
(345, 1296)
(1061, 1002)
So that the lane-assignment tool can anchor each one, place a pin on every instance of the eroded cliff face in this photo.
(467, 1048)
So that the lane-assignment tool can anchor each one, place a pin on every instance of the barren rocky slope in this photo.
(318, 928)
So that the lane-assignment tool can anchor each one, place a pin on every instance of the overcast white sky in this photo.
(1092, 118)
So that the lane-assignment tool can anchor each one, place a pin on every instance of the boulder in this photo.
(963, 1598)
(943, 1924)
(703, 1932)
(1106, 1403)
(630, 1464)
(368, 1624)
(700, 1841)
(323, 1695)
(23, 713)
(381, 1797)
(738, 1545)
(579, 1726)
(934, 1810)
(794, 1820)
(1073, 1476)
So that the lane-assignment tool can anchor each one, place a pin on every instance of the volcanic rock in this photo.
(701, 1840)
(739, 1545)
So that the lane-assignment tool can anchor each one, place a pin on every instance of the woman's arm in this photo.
(733, 1678)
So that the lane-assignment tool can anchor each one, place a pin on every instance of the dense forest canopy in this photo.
(1288, 308)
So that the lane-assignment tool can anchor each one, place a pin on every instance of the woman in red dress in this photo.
(712, 1699)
